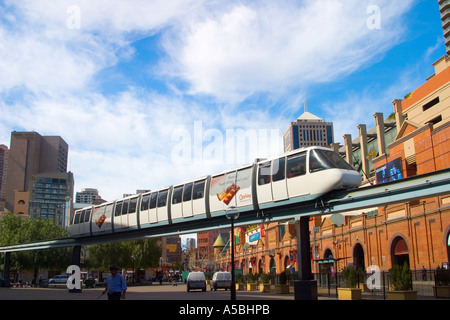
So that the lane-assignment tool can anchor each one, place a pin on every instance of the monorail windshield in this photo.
(323, 159)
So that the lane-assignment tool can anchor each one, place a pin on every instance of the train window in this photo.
(118, 211)
(125, 207)
(296, 166)
(162, 199)
(87, 215)
(82, 216)
(177, 193)
(133, 203)
(324, 159)
(145, 202)
(199, 190)
(264, 173)
(153, 199)
(278, 169)
(77, 218)
(187, 192)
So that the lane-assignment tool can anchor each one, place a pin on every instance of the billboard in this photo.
(390, 171)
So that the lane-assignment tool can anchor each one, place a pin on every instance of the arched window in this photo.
(399, 251)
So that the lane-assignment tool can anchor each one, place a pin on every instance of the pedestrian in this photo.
(115, 284)
(424, 273)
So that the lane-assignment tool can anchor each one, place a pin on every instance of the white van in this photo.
(221, 279)
(196, 280)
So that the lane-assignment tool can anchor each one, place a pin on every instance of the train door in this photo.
(124, 216)
(176, 210)
(279, 187)
(296, 175)
(187, 199)
(133, 212)
(264, 188)
(144, 217)
(117, 215)
(162, 211)
(153, 217)
(198, 197)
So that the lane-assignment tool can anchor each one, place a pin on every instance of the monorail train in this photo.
(297, 176)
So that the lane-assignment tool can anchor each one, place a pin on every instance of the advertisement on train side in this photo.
(101, 218)
(231, 189)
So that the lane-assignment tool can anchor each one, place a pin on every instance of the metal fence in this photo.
(422, 281)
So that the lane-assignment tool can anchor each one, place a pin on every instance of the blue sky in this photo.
(153, 93)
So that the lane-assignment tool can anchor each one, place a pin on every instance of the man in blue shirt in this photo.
(115, 284)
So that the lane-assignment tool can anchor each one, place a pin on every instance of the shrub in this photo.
(400, 277)
(349, 277)
(264, 278)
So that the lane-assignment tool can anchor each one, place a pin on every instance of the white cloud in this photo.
(227, 52)
(268, 47)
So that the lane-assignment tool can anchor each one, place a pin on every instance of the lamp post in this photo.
(232, 214)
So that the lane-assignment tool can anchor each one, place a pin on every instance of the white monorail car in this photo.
(297, 176)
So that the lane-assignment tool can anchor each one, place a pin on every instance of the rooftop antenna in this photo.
(306, 106)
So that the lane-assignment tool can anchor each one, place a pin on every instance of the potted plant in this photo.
(240, 282)
(442, 281)
(349, 291)
(401, 282)
(251, 284)
(265, 285)
(282, 287)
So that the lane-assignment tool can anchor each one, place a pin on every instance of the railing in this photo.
(423, 281)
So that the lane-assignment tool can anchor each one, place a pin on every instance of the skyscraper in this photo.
(4, 152)
(31, 154)
(444, 8)
(308, 130)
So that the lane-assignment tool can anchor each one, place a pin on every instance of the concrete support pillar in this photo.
(348, 148)
(398, 110)
(379, 123)
(305, 288)
(6, 269)
(76, 255)
(363, 147)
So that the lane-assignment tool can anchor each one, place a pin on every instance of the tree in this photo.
(17, 230)
(143, 253)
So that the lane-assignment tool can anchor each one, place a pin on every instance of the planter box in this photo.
(402, 295)
(252, 286)
(442, 291)
(240, 286)
(349, 294)
(282, 288)
(264, 287)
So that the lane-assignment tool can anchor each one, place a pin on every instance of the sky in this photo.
(152, 93)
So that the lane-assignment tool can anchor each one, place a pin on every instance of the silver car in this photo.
(221, 280)
(196, 280)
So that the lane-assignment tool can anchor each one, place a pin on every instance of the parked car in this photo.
(221, 280)
(196, 280)
(59, 279)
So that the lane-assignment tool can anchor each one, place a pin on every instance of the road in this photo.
(153, 292)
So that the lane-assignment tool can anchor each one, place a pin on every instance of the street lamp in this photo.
(232, 214)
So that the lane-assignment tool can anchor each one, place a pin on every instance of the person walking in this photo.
(115, 284)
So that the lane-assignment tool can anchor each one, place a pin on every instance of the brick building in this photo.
(416, 232)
